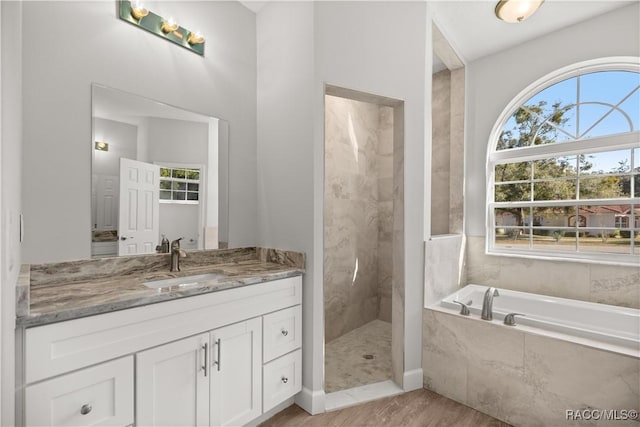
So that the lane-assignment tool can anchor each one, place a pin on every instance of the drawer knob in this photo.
(284, 332)
(285, 380)
(85, 409)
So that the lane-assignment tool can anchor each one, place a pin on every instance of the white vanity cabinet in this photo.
(236, 367)
(171, 385)
(98, 396)
(222, 358)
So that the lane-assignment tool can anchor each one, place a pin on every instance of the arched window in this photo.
(564, 166)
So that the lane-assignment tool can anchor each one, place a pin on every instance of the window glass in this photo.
(577, 198)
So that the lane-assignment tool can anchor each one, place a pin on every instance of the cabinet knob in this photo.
(285, 380)
(284, 332)
(85, 409)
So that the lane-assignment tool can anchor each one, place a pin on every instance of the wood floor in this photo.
(420, 408)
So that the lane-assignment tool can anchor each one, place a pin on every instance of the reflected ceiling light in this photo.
(195, 38)
(138, 10)
(514, 11)
(169, 25)
(102, 146)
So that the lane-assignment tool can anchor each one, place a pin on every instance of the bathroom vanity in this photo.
(215, 350)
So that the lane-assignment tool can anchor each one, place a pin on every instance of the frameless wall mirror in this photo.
(158, 171)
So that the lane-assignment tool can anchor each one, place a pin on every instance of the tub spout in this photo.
(487, 303)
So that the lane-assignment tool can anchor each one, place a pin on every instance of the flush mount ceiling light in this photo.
(514, 11)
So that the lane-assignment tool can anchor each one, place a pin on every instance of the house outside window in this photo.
(564, 167)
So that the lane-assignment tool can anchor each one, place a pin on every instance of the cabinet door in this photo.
(172, 384)
(236, 373)
(97, 396)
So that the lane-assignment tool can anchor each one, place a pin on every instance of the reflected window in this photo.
(179, 185)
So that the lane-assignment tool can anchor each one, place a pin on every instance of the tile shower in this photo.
(358, 241)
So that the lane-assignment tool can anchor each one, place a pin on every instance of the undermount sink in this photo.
(183, 281)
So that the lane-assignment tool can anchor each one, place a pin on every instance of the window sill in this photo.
(601, 259)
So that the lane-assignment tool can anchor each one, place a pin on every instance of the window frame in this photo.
(629, 140)
(187, 166)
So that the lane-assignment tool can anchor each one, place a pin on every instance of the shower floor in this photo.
(347, 358)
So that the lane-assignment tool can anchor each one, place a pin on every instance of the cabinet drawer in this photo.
(282, 332)
(98, 396)
(282, 378)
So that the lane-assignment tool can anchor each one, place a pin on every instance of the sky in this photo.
(597, 93)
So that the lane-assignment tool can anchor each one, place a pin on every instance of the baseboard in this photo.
(270, 413)
(358, 395)
(412, 380)
(311, 401)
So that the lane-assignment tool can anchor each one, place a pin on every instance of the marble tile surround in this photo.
(358, 214)
(444, 270)
(520, 378)
(447, 152)
(605, 284)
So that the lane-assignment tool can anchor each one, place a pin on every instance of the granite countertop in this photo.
(49, 293)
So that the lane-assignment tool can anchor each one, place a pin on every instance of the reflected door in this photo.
(139, 218)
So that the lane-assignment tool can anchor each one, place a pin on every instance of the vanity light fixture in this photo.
(169, 26)
(514, 11)
(102, 146)
(134, 12)
(195, 38)
(138, 10)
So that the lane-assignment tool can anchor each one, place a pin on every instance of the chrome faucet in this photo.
(487, 303)
(176, 254)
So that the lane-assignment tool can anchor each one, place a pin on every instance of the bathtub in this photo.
(597, 323)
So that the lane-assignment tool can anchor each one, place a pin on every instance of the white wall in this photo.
(177, 141)
(380, 48)
(180, 220)
(10, 155)
(493, 81)
(285, 156)
(122, 139)
(357, 45)
(94, 45)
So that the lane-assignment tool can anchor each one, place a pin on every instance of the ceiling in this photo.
(474, 31)
(113, 104)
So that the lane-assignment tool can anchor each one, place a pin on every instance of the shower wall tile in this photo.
(456, 152)
(615, 285)
(397, 283)
(440, 151)
(358, 214)
(384, 151)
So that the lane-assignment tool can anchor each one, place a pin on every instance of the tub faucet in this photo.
(487, 303)
(176, 254)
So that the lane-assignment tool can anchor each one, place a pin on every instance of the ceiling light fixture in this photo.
(102, 146)
(514, 11)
